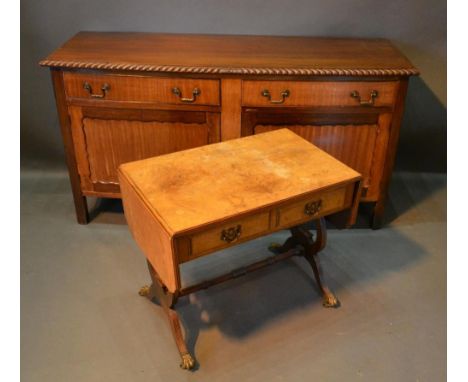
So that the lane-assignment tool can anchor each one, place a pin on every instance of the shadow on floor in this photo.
(243, 306)
(106, 211)
(416, 193)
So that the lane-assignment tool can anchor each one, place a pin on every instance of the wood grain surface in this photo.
(105, 137)
(110, 143)
(142, 89)
(231, 108)
(293, 213)
(260, 55)
(329, 81)
(357, 156)
(197, 187)
(307, 93)
(81, 205)
(150, 236)
(210, 240)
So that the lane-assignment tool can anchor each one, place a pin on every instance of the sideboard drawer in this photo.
(315, 206)
(308, 93)
(141, 89)
(230, 233)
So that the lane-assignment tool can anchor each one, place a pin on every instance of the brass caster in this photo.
(144, 291)
(330, 301)
(187, 362)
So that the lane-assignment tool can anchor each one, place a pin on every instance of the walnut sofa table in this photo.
(191, 203)
(123, 97)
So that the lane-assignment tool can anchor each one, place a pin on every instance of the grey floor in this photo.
(82, 319)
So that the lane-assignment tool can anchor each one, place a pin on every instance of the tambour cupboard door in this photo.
(105, 138)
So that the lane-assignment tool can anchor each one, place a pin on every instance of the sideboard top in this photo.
(231, 54)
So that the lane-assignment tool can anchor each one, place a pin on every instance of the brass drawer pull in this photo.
(373, 95)
(195, 92)
(231, 234)
(284, 94)
(313, 208)
(104, 89)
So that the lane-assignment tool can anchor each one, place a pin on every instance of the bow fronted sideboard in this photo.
(128, 96)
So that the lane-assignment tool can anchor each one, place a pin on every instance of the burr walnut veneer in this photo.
(129, 96)
(191, 203)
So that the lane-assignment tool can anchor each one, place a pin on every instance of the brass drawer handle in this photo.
(231, 234)
(373, 95)
(284, 94)
(104, 89)
(195, 92)
(313, 208)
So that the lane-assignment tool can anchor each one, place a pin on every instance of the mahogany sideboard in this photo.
(128, 96)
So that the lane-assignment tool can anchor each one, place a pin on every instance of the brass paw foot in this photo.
(187, 361)
(144, 291)
(330, 301)
(275, 248)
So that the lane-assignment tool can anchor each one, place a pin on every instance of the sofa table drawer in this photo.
(227, 234)
(315, 206)
(141, 89)
(309, 93)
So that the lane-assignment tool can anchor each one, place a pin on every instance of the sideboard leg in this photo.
(378, 214)
(81, 208)
(168, 300)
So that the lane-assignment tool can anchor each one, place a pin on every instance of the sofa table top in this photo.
(196, 187)
(231, 54)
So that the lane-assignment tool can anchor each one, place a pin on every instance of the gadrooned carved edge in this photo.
(221, 70)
